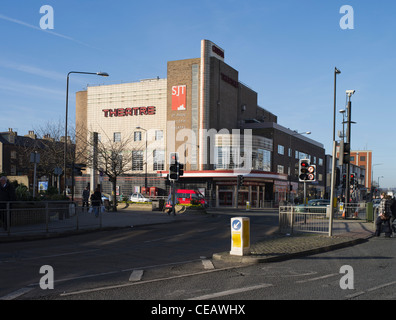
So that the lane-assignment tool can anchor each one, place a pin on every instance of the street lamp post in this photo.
(145, 176)
(336, 71)
(102, 74)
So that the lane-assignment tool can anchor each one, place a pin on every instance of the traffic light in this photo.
(344, 180)
(345, 152)
(303, 169)
(180, 169)
(352, 179)
(240, 181)
(173, 166)
(307, 171)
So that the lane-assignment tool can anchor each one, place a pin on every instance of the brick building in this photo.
(206, 114)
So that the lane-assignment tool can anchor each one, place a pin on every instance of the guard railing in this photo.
(24, 217)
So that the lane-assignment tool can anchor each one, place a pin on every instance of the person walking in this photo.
(393, 215)
(384, 215)
(7, 193)
(85, 196)
(96, 201)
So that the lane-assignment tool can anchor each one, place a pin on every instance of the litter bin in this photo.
(155, 204)
(370, 212)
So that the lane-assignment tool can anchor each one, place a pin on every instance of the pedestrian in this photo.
(96, 201)
(85, 196)
(7, 193)
(393, 215)
(384, 215)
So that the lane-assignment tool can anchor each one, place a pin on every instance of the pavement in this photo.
(279, 247)
(275, 247)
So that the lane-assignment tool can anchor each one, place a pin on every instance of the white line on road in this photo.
(143, 282)
(207, 264)
(136, 275)
(232, 291)
(17, 293)
(318, 278)
(52, 255)
(370, 290)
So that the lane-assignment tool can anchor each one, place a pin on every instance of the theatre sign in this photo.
(124, 112)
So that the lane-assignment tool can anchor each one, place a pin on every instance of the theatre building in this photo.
(206, 114)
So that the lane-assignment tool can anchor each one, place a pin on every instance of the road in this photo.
(108, 257)
(170, 262)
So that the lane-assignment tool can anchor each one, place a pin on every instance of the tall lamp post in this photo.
(145, 175)
(102, 74)
(336, 72)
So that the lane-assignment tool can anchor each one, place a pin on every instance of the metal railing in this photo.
(315, 219)
(19, 217)
(303, 219)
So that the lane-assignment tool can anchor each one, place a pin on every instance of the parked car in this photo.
(319, 204)
(138, 197)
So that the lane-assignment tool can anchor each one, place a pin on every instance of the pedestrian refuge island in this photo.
(240, 236)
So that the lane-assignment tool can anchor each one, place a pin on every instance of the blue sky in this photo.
(286, 50)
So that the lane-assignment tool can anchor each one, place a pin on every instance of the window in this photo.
(223, 157)
(117, 136)
(262, 160)
(159, 135)
(159, 160)
(280, 169)
(137, 136)
(362, 158)
(137, 160)
(281, 149)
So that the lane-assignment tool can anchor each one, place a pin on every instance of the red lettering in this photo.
(123, 112)
(143, 110)
(128, 111)
(112, 113)
(151, 110)
(120, 112)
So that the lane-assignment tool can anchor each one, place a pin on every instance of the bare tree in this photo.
(114, 158)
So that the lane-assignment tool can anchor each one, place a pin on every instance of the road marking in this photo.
(230, 292)
(207, 264)
(143, 282)
(136, 275)
(370, 290)
(318, 278)
(17, 293)
(51, 256)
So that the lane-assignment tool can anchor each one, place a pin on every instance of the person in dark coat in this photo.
(384, 215)
(393, 217)
(96, 201)
(85, 196)
(7, 193)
